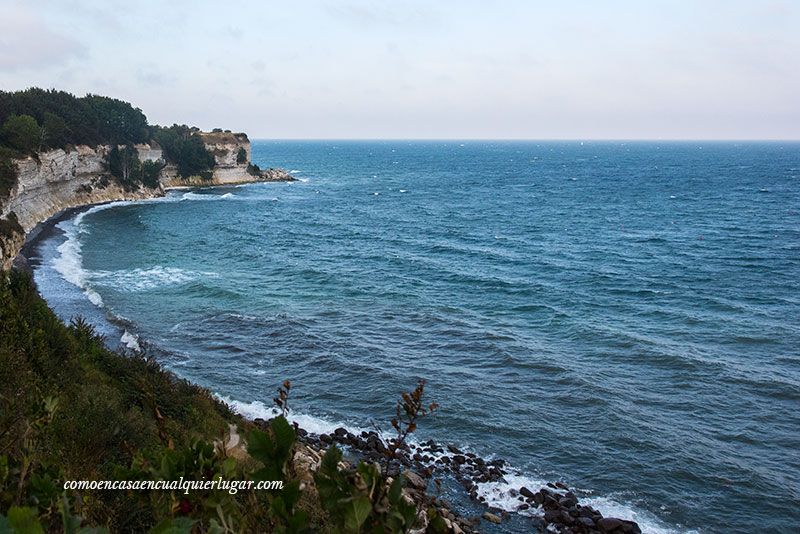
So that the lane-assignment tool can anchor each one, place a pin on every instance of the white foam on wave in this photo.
(69, 263)
(309, 423)
(499, 494)
(131, 341)
(133, 280)
(648, 522)
(207, 197)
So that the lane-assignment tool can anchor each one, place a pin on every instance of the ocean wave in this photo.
(69, 263)
(131, 341)
(132, 280)
(501, 494)
(206, 196)
(310, 423)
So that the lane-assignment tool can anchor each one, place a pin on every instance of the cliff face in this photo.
(225, 147)
(57, 180)
(61, 180)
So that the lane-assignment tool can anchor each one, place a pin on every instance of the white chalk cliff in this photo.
(59, 179)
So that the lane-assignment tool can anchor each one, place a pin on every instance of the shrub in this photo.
(150, 172)
(130, 172)
(254, 170)
(183, 147)
(75, 410)
(8, 173)
(241, 155)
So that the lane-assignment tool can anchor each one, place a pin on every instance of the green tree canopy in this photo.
(22, 133)
(186, 149)
(54, 130)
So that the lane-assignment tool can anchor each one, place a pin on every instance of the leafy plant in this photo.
(362, 500)
(184, 147)
(274, 450)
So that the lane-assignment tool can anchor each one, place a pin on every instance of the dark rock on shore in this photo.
(557, 508)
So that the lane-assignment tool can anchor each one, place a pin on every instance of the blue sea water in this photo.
(623, 317)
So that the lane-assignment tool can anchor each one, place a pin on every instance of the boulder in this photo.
(525, 492)
(415, 481)
(492, 518)
(609, 524)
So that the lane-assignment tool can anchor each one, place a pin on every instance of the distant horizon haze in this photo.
(368, 69)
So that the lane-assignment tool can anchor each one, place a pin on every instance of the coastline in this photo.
(19, 259)
(554, 504)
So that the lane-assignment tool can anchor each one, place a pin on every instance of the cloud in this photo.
(152, 74)
(26, 42)
(369, 15)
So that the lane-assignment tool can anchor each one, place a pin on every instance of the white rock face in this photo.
(61, 180)
(58, 180)
(227, 170)
(149, 153)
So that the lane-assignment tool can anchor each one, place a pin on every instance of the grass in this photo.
(109, 407)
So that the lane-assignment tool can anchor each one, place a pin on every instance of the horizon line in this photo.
(538, 140)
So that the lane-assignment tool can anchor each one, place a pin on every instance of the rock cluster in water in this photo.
(554, 508)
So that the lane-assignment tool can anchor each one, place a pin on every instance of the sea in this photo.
(622, 317)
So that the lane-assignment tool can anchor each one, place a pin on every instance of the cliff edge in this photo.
(52, 181)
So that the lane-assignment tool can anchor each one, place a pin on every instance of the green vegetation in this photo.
(362, 501)
(69, 120)
(184, 147)
(124, 165)
(70, 409)
(75, 410)
(8, 172)
(241, 155)
(21, 132)
(36, 119)
(9, 229)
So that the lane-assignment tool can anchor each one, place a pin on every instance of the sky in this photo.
(465, 69)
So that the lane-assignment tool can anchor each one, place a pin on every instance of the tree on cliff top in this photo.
(119, 122)
(185, 148)
(90, 120)
(22, 133)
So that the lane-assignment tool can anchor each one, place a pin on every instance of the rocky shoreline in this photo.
(554, 508)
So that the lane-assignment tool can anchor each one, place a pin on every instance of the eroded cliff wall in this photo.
(54, 181)
(229, 167)
(57, 180)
